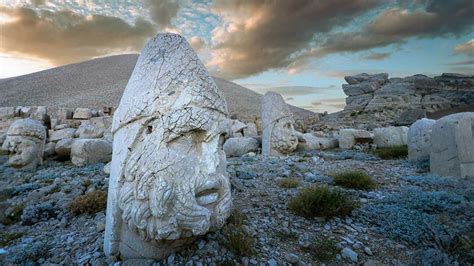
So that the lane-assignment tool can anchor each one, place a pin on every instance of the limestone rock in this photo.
(57, 135)
(168, 181)
(7, 113)
(452, 146)
(235, 147)
(251, 130)
(349, 137)
(311, 142)
(279, 136)
(63, 148)
(419, 139)
(49, 149)
(390, 136)
(82, 113)
(25, 142)
(237, 128)
(88, 151)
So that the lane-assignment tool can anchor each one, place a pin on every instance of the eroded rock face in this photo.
(25, 142)
(279, 135)
(168, 180)
(452, 146)
(419, 139)
(390, 136)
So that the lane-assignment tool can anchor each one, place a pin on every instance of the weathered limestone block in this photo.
(49, 149)
(419, 139)
(89, 131)
(390, 136)
(452, 146)
(7, 113)
(350, 137)
(237, 128)
(251, 130)
(89, 151)
(279, 136)
(63, 148)
(25, 142)
(82, 113)
(38, 113)
(168, 180)
(310, 142)
(235, 147)
(57, 135)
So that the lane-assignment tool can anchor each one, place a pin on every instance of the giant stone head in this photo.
(168, 175)
(25, 143)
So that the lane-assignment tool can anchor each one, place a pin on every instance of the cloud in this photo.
(256, 36)
(377, 56)
(197, 43)
(62, 37)
(465, 48)
(162, 11)
(393, 26)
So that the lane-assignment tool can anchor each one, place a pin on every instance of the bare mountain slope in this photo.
(100, 82)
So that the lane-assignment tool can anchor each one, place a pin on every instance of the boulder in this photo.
(49, 149)
(250, 130)
(419, 139)
(390, 136)
(279, 135)
(7, 113)
(237, 128)
(168, 180)
(235, 147)
(63, 148)
(310, 142)
(349, 137)
(82, 113)
(89, 151)
(452, 146)
(25, 142)
(88, 131)
(57, 135)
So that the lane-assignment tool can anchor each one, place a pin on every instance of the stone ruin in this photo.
(168, 181)
(279, 135)
(25, 140)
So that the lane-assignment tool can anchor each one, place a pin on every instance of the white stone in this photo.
(452, 146)
(57, 135)
(63, 148)
(279, 135)
(419, 139)
(49, 149)
(237, 128)
(87, 130)
(82, 113)
(349, 254)
(390, 136)
(7, 113)
(250, 130)
(235, 147)
(310, 142)
(168, 181)
(349, 137)
(89, 151)
(25, 142)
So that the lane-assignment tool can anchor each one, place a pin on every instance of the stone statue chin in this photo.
(168, 180)
(25, 142)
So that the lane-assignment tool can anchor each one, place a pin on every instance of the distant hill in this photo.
(100, 82)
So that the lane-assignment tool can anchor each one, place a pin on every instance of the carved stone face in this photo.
(25, 143)
(284, 139)
(175, 178)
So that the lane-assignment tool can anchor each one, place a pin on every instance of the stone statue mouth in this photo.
(208, 194)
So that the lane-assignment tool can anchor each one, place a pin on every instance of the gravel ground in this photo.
(410, 218)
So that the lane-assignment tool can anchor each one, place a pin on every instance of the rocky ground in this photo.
(411, 217)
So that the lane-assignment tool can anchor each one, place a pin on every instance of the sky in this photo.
(301, 49)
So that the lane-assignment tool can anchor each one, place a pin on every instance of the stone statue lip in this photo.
(208, 194)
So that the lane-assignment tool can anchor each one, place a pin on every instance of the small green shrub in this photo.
(90, 203)
(238, 240)
(394, 152)
(287, 183)
(320, 201)
(355, 179)
(463, 247)
(323, 249)
(13, 216)
(6, 238)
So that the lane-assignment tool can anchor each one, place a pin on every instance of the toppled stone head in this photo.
(168, 173)
(279, 135)
(25, 142)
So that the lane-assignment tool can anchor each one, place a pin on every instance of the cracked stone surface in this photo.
(25, 142)
(279, 136)
(168, 180)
